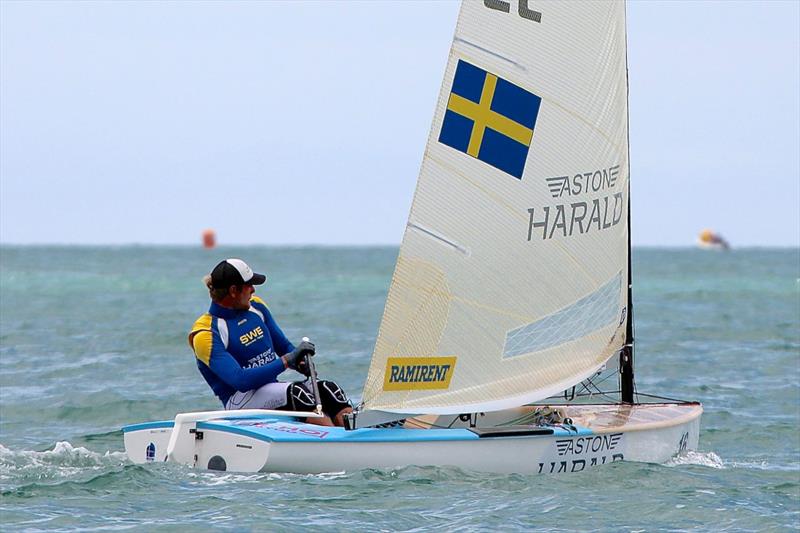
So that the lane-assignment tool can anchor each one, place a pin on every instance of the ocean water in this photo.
(93, 338)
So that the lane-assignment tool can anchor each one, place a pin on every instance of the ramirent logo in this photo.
(418, 373)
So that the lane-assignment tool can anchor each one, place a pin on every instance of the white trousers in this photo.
(270, 396)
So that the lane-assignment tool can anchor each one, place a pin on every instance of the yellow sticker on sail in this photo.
(418, 373)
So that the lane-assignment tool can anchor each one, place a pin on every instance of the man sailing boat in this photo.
(241, 351)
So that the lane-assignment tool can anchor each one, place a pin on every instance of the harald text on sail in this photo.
(584, 216)
(241, 350)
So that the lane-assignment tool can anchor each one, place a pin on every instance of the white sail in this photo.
(511, 281)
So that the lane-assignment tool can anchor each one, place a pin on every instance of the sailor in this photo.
(240, 351)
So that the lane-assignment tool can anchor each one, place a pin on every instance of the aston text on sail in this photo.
(575, 218)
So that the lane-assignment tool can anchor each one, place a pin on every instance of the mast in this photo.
(626, 354)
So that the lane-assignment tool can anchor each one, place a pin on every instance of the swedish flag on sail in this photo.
(490, 119)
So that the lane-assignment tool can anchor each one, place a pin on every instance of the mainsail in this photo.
(511, 281)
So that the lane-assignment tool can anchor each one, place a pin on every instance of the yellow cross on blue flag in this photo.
(490, 119)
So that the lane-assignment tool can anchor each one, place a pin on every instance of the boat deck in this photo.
(586, 420)
(284, 429)
(636, 417)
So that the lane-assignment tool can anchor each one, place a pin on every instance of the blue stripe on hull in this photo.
(277, 430)
(148, 425)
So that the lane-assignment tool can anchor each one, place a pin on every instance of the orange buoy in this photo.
(209, 238)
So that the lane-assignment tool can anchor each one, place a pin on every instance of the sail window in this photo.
(577, 320)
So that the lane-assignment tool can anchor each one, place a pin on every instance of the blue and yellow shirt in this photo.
(238, 349)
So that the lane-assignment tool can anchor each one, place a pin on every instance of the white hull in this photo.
(636, 433)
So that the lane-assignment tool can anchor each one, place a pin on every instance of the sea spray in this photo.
(63, 462)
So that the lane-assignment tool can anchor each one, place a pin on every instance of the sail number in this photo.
(523, 9)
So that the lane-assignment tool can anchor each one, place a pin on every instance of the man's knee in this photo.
(299, 399)
(333, 397)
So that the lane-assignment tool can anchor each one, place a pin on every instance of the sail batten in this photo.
(511, 281)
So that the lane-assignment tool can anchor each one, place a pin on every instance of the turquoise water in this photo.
(94, 338)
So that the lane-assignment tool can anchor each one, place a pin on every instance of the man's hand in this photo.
(296, 360)
(302, 366)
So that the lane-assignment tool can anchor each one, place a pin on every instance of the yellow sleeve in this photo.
(200, 338)
(201, 343)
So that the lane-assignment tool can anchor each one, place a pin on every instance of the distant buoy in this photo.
(209, 238)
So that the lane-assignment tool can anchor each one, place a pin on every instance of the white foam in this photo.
(212, 479)
(764, 465)
(709, 459)
(712, 460)
(63, 460)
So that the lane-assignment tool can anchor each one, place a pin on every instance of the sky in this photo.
(305, 123)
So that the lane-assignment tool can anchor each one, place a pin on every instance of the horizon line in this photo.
(320, 245)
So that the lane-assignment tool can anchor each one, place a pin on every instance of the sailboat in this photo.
(510, 307)
(711, 240)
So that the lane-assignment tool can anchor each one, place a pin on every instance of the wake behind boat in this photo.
(512, 285)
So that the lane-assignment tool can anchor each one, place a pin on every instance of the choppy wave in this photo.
(64, 461)
(766, 465)
(212, 479)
